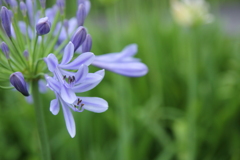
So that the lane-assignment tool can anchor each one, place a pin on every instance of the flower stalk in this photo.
(42, 131)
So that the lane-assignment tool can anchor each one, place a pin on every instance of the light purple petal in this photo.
(69, 120)
(94, 104)
(68, 95)
(54, 107)
(129, 51)
(91, 81)
(68, 53)
(53, 84)
(52, 62)
(125, 55)
(29, 99)
(42, 86)
(81, 73)
(130, 69)
(85, 58)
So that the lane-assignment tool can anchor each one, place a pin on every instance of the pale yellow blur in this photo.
(191, 12)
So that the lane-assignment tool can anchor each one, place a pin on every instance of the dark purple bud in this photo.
(5, 49)
(43, 26)
(43, 3)
(26, 54)
(23, 8)
(87, 44)
(61, 5)
(17, 80)
(79, 37)
(81, 14)
(6, 20)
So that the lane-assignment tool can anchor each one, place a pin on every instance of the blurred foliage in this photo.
(186, 108)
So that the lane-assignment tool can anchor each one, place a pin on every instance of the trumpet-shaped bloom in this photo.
(66, 84)
(122, 62)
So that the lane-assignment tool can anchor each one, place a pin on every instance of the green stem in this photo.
(40, 122)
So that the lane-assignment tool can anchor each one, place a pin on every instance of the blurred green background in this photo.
(186, 108)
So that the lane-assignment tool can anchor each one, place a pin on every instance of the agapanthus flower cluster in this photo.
(43, 45)
(191, 13)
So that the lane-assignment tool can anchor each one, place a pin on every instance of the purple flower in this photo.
(17, 80)
(122, 63)
(43, 26)
(66, 84)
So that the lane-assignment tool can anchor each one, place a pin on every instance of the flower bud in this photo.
(86, 3)
(8, 2)
(17, 80)
(26, 54)
(61, 5)
(14, 5)
(81, 14)
(43, 3)
(23, 8)
(6, 20)
(43, 26)
(79, 37)
(5, 49)
(66, 24)
(87, 44)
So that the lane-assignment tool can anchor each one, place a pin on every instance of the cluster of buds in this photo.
(43, 35)
(191, 13)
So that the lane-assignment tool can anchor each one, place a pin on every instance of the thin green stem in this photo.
(40, 122)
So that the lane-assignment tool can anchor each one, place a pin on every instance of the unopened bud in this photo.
(66, 24)
(23, 8)
(26, 54)
(61, 5)
(43, 3)
(43, 26)
(17, 80)
(6, 20)
(79, 37)
(81, 14)
(8, 2)
(87, 44)
(5, 49)
(86, 3)
(14, 5)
